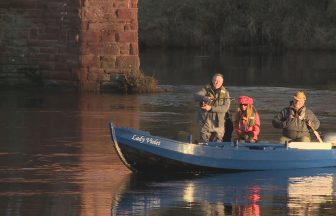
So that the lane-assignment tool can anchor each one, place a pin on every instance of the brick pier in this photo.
(85, 44)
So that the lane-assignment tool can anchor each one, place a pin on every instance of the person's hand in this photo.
(206, 107)
(250, 134)
(245, 136)
(211, 98)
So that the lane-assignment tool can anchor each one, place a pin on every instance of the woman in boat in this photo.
(247, 121)
(214, 100)
(296, 120)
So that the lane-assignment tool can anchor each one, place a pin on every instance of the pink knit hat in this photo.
(245, 100)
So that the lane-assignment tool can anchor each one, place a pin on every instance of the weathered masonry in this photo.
(86, 44)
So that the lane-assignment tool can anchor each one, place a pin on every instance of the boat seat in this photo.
(309, 145)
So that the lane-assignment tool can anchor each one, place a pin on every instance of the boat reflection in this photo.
(305, 194)
(294, 192)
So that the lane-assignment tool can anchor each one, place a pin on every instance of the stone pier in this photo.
(85, 44)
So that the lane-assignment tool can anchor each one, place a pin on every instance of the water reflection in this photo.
(296, 192)
(56, 156)
(309, 69)
(97, 172)
(306, 194)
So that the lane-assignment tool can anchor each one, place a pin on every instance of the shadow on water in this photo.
(294, 192)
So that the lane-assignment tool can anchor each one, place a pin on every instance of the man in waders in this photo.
(214, 102)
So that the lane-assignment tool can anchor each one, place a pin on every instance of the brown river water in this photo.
(57, 158)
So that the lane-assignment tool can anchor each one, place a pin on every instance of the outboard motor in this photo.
(330, 138)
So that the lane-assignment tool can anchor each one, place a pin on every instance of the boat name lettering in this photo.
(142, 139)
(153, 141)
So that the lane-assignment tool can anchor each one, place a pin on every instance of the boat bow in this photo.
(117, 148)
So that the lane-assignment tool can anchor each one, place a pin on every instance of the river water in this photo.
(57, 158)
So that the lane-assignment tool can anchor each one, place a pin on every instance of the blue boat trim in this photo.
(117, 148)
(142, 152)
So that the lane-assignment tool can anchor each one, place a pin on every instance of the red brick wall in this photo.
(79, 43)
(109, 40)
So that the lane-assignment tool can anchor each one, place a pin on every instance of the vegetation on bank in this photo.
(231, 24)
(136, 82)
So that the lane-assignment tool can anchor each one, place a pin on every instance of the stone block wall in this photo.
(85, 44)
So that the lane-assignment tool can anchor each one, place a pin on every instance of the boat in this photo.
(143, 152)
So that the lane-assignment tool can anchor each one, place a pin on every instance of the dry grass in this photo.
(137, 82)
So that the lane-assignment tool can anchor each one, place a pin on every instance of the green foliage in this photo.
(226, 24)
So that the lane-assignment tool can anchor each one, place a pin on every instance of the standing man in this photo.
(214, 102)
(296, 120)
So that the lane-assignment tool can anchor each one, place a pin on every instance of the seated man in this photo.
(296, 120)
